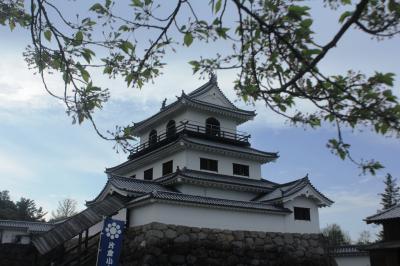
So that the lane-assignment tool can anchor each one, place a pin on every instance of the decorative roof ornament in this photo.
(213, 78)
(164, 103)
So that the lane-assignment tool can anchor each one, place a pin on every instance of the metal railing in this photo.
(209, 131)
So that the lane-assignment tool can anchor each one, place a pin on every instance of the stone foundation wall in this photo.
(17, 255)
(160, 244)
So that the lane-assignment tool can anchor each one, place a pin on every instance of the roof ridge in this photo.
(236, 177)
(22, 221)
(132, 179)
(380, 212)
(294, 181)
(155, 192)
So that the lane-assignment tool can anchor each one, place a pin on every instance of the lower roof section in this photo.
(29, 227)
(216, 180)
(78, 223)
(179, 198)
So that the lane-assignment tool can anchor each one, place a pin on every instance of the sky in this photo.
(46, 158)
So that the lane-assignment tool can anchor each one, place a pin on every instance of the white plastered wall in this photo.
(295, 226)
(9, 236)
(225, 163)
(215, 192)
(206, 217)
(178, 158)
(191, 160)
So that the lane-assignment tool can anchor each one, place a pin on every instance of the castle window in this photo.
(171, 129)
(153, 137)
(167, 167)
(212, 126)
(240, 169)
(208, 164)
(148, 174)
(301, 213)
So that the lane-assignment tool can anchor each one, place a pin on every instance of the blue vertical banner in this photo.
(110, 242)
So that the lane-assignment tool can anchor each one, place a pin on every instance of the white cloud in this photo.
(350, 208)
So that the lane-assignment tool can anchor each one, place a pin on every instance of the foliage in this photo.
(272, 47)
(24, 209)
(66, 208)
(364, 238)
(391, 195)
(335, 235)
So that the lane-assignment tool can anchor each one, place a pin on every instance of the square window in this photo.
(167, 167)
(301, 213)
(208, 164)
(148, 174)
(240, 169)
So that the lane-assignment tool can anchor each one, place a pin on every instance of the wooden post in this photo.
(79, 248)
(86, 239)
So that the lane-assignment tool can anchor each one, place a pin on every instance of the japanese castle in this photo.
(193, 167)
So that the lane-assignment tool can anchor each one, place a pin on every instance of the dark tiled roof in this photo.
(78, 223)
(384, 245)
(232, 148)
(26, 225)
(293, 187)
(130, 185)
(185, 198)
(136, 185)
(348, 251)
(389, 214)
(199, 176)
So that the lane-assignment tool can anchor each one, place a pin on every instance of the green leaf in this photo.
(345, 15)
(98, 8)
(218, 6)
(78, 38)
(85, 75)
(297, 11)
(11, 23)
(107, 70)
(188, 39)
(87, 54)
(127, 46)
(222, 32)
(306, 23)
(385, 78)
(137, 3)
(47, 35)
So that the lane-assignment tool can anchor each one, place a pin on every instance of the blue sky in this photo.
(46, 158)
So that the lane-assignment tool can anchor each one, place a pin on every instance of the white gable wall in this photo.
(295, 226)
(214, 96)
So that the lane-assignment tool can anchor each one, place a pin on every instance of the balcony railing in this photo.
(210, 132)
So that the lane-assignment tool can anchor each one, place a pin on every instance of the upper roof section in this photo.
(208, 98)
(392, 213)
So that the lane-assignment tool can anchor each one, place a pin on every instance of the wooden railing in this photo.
(209, 131)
